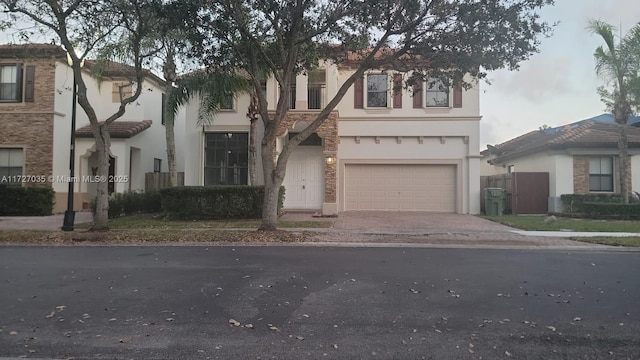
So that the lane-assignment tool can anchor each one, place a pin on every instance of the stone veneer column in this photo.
(329, 132)
(580, 175)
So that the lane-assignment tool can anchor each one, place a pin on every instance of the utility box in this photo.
(494, 201)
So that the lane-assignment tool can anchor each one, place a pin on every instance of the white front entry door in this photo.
(304, 181)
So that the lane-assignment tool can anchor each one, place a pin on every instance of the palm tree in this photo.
(618, 63)
(212, 88)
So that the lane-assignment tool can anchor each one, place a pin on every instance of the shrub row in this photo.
(215, 202)
(574, 203)
(610, 209)
(129, 203)
(26, 200)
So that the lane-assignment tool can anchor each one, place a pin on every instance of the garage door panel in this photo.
(400, 187)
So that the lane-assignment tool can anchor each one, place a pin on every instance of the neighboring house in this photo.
(378, 150)
(580, 158)
(35, 117)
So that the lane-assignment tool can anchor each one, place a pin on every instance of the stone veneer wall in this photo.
(29, 125)
(580, 175)
(328, 131)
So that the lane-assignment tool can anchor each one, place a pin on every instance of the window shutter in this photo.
(358, 90)
(457, 96)
(30, 78)
(397, 91)
(417, 94)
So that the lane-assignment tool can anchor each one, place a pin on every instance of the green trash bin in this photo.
(494, 201)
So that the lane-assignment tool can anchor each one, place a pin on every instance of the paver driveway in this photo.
(415, 222)
(426, 228)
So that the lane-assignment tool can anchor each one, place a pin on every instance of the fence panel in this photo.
(159, 180)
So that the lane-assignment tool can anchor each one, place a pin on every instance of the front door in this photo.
(304, 182)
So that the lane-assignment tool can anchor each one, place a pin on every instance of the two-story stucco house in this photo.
(36, 100)
(378, 150)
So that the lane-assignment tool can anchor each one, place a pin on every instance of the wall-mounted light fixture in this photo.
(330, 159)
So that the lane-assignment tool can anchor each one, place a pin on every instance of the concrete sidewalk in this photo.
(51, 223)
(378, 228)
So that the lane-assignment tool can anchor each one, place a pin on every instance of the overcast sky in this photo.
(558, 85)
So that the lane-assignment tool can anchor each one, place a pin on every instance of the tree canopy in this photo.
(447, 39)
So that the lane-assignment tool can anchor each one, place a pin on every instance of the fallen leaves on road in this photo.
(140, 236)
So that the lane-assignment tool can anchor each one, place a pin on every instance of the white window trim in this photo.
(234, 106)
(613, 175)
(426, 91)
(365, 90)
(22, 149)
(20, 82)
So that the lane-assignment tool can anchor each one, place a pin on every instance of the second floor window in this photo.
(227, 103)
(437, 93)
(127, 91)
(315, 90)
(10, 82)
(377, 90)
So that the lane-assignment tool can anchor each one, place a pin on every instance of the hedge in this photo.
(26, 200)
(129, 203)
(215, 202)
(574, 203)
(609, 209)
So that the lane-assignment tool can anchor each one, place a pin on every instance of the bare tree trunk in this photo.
(252, 151)
(272, 182)
(623, 155)
(170, 138)
(270, 206)
(169, 72)
(171, 152)
(101, 215)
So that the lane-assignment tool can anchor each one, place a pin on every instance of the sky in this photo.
(554, 87)
(558, 85)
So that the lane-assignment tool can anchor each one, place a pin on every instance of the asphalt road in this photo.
(317, 303)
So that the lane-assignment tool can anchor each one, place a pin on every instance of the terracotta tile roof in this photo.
(582, 134)
(21, 51)
(107, 68)
(118, 129)
(116, 69)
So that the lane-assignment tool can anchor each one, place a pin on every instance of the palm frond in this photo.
(606, 31)
(211, 88)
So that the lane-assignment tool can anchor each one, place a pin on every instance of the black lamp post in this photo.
(70, 214)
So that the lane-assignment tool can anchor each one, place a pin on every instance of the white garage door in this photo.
(400, 187)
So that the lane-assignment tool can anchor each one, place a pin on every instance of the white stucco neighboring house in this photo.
(378, 150)
(138, 143)
(580, 157)
(35, 126)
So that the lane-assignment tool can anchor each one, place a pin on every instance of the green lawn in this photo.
(628, 241)
(536, 223)
(149, 221)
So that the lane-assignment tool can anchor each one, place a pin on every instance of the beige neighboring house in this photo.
(580, 158)
(36, 86)
(378, 150)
